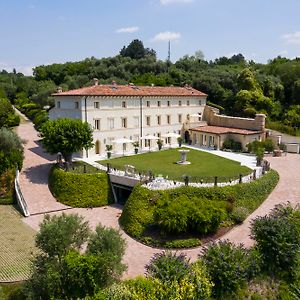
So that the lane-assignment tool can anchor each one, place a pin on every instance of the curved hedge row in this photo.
(80, 190)
(139, 211)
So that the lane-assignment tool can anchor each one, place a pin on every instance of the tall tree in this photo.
(66, 136)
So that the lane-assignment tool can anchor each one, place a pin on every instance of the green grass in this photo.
(12, 291)
(16, 245)
(78, 168)
(163, 162)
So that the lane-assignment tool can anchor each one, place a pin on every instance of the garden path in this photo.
(35, 187)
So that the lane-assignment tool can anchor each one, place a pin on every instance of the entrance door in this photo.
(186, 137)
(97, 147)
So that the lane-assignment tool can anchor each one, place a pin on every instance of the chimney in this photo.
(59, 89)
(96, 81)
(113, 83)
(152, 84)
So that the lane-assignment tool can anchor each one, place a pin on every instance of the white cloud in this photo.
(26, 70)
(128, 29)
(292, 38)
(167, 36)
(283, 53)
(167, 2)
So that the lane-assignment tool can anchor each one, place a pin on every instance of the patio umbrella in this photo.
(122, 141)
(171, 135)
(149, 137)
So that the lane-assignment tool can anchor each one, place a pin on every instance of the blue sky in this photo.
(35, 32)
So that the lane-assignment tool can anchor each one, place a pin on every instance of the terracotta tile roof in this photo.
(224, 130)
(131, 90)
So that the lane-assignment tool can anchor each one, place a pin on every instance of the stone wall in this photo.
(212, 117)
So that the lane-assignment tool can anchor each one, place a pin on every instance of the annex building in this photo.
(135, 112)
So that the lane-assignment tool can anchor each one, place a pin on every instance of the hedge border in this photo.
(80, 190)
(139, 209)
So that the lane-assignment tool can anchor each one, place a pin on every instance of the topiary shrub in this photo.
(80, 190)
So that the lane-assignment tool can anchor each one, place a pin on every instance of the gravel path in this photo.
(34, 185)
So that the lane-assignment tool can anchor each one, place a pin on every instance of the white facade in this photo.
(115, 117)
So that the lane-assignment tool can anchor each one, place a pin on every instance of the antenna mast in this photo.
(169, 51)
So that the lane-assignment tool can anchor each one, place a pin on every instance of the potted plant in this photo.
(179, 140)
(260, 153)
(136, 147)
(159, 144)
(108, 150)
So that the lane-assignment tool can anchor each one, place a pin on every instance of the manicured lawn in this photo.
(78, 168)
(16, 245)
(163, 162)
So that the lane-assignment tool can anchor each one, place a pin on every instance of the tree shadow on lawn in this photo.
(38, 174)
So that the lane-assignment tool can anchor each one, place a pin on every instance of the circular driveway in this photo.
(34, 185)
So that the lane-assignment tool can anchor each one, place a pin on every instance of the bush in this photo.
(168, 267)
(183, 214)
(173, 216)
(80, 190)
(229, 266)
(107, 241)
(239, 214)
(7, 185)
(62, 270)
(278, 240)
(139, 211)
(232, 145)
(176, 278)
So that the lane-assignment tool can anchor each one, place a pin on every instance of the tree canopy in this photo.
(62, 270)
(66, 136)
(272, 88)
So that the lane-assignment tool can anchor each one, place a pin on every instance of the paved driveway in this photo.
(34, 184)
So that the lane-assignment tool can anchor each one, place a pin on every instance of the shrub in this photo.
(107, 241)
(278, 240)
(139, 211)
(61, 270)
(175, 278)
(182, 243)
(7, 184)
(229, 266)
(168, 267)
(239, 214)
(80, 190)
(232, 145)
(173, 216)
(143, 288)
(183, 214)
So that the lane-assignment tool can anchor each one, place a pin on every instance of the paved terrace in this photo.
(34, 184)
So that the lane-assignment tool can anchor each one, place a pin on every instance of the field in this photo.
(16, 245)
(163, 162)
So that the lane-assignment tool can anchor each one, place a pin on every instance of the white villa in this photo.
(134, 112)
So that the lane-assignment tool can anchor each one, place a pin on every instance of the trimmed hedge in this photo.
(139, 210)
(80, 190)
